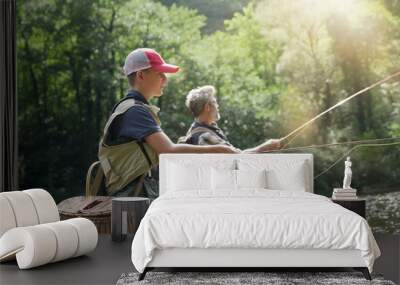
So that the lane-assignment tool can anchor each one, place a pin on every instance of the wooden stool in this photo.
(127, 212)
(95, 208)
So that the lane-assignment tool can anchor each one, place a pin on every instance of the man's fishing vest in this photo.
(123, 163)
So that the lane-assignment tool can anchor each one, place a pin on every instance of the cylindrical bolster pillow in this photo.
(46, 208)
(26, 208)
(33, 246)
(24, 211)
(67, 240)
(41, 244)
(87, 235)
(7, 218)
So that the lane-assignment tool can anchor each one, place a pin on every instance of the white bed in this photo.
(247, 210)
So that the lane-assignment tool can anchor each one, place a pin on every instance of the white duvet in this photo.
(250, 219)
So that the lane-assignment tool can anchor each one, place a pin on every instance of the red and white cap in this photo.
(144, 58)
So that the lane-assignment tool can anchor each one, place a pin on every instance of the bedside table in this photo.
(355, 205)
(126, 214)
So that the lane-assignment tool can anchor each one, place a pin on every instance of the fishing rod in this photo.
(297, 131)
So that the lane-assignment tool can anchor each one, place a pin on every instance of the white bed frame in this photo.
(246, 257)
(234, 257)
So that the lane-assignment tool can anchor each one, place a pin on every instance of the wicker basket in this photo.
(95, 208)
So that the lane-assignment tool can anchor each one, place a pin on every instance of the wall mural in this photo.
(322, 75)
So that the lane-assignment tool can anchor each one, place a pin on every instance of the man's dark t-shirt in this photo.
(135, 124)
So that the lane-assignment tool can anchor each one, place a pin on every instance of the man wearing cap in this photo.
(133, 138)
(203, 105)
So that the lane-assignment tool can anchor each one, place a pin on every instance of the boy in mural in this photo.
(133, 137)
(204, 130)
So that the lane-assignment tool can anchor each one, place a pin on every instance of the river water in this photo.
(383, 212)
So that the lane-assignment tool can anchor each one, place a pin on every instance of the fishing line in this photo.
(349, 151)
(331, 144)
(361, 143)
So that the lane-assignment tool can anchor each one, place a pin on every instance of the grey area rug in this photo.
(233, 278)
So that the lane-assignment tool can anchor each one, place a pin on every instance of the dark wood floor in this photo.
(102, 266)
(110, 260)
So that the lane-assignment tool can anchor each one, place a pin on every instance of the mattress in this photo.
(251, 219)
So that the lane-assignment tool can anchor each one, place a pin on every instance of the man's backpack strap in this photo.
(121, 108)
(93, 184)
(146, 155)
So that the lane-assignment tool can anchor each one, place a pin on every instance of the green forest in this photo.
(275, 64)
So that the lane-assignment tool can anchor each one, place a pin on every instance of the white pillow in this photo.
(290, 177)
(280, 174)
(182, 177)
(251, 178)
(223, 180)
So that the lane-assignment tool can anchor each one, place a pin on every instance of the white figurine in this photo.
(347, 174)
